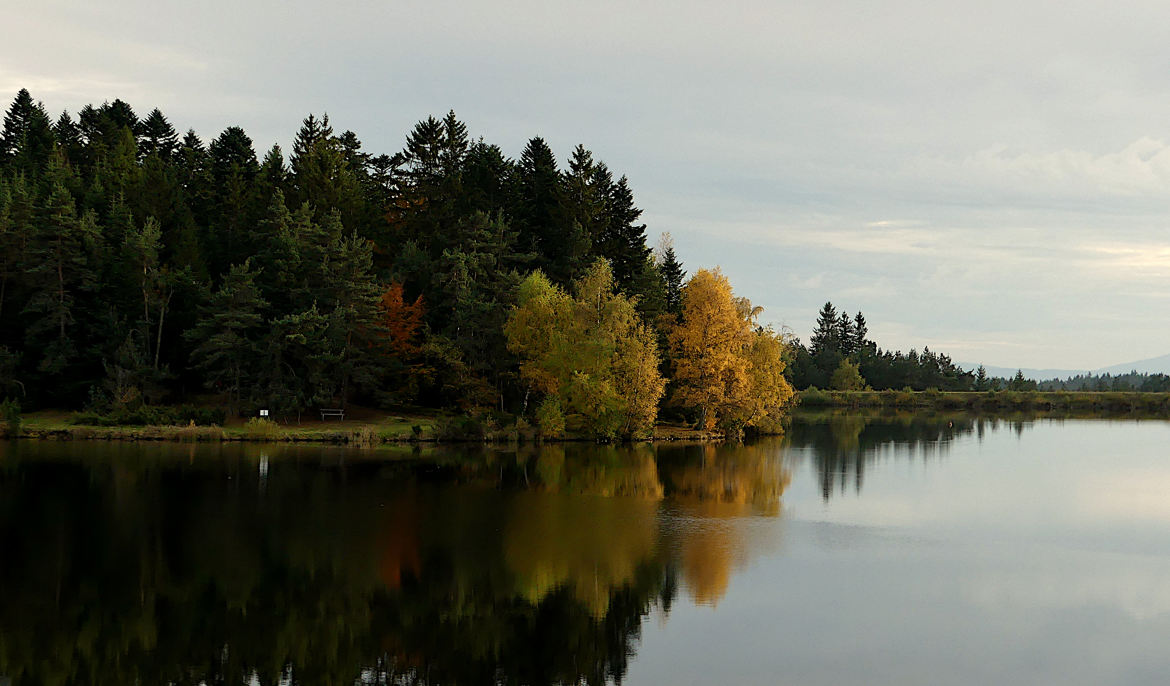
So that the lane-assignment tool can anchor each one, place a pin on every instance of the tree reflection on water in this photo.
(843, 445)
(187, 565)
(228, 564)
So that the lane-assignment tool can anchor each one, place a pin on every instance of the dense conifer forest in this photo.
(140, 266)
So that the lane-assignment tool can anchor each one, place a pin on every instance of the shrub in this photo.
(10, 414)
(550, 420)
(814, 397)
(262, 427)
(462, 428)
(153, 415)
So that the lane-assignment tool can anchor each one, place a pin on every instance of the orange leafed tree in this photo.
(401, 321)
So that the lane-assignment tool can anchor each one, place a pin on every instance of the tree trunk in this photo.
(162, 312)
(61, 299)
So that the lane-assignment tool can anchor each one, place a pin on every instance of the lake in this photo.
(853, 550)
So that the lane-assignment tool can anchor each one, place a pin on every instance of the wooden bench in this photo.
(325, 412)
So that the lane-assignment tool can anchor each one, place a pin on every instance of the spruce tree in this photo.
(157, 136)
(845, 334)
(26, 140)
(673, 276)
(538, 211)
(58, 270)
(860, 332)
(233, 168)
(351, 297)
(826, 336)
(228, 336)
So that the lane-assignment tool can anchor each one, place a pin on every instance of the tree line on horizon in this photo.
(841, 356)
(139, 266)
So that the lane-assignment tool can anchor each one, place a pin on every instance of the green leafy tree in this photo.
(847, 377)
(590, 353)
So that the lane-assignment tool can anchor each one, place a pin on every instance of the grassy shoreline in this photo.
(369, 430)
(1107, 402)
(372, 428)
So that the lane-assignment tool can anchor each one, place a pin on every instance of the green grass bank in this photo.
(1106, 402)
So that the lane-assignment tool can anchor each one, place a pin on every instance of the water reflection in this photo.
(844, 445)
(227, 564)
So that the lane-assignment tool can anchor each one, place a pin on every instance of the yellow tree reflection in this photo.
(718, 491)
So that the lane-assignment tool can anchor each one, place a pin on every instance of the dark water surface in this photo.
(851, 551)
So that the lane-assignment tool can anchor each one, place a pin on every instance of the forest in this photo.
(841, 356)
(143, 268)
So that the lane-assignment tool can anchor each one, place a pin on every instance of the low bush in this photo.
(10, 415)
(262, 427)
(153, 415)
(460, 428)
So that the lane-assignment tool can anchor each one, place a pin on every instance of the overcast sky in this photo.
(987, 178)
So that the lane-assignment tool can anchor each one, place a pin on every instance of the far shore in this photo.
(372, 428)
(1072, 402)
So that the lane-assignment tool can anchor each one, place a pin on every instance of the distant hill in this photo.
(1154, 365)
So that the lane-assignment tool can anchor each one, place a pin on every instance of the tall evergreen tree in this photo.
(538, 211)
(860, 332)
(59, 269)
(26, 140)
(623, 241)
(228, 334)
(233, 168)
(672, 274)
(157, 136)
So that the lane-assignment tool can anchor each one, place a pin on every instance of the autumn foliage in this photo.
(728, 370)
(401, 322)
(589, 354)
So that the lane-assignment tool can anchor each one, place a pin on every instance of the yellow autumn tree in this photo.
(590, 354)
(726, 367)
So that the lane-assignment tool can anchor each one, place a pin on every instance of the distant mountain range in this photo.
(1154, 365)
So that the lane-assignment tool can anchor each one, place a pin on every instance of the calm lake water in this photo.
(851, 551)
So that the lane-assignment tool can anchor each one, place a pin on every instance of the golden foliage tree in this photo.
(727, 368)
(590, 353)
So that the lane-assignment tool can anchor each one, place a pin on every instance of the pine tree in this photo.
(623, 241)
(142, 248)
(321, 174)
(228, 335)
(157, 136)
(860, 332)
(352, 295)
(672, 274)
(58, 269)
(233, 168)
(487, 180)
(538, 212)
(69, 141)
(845, 334)
(826, 337)
(26, 140)
(299, 362)
(120, 115)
